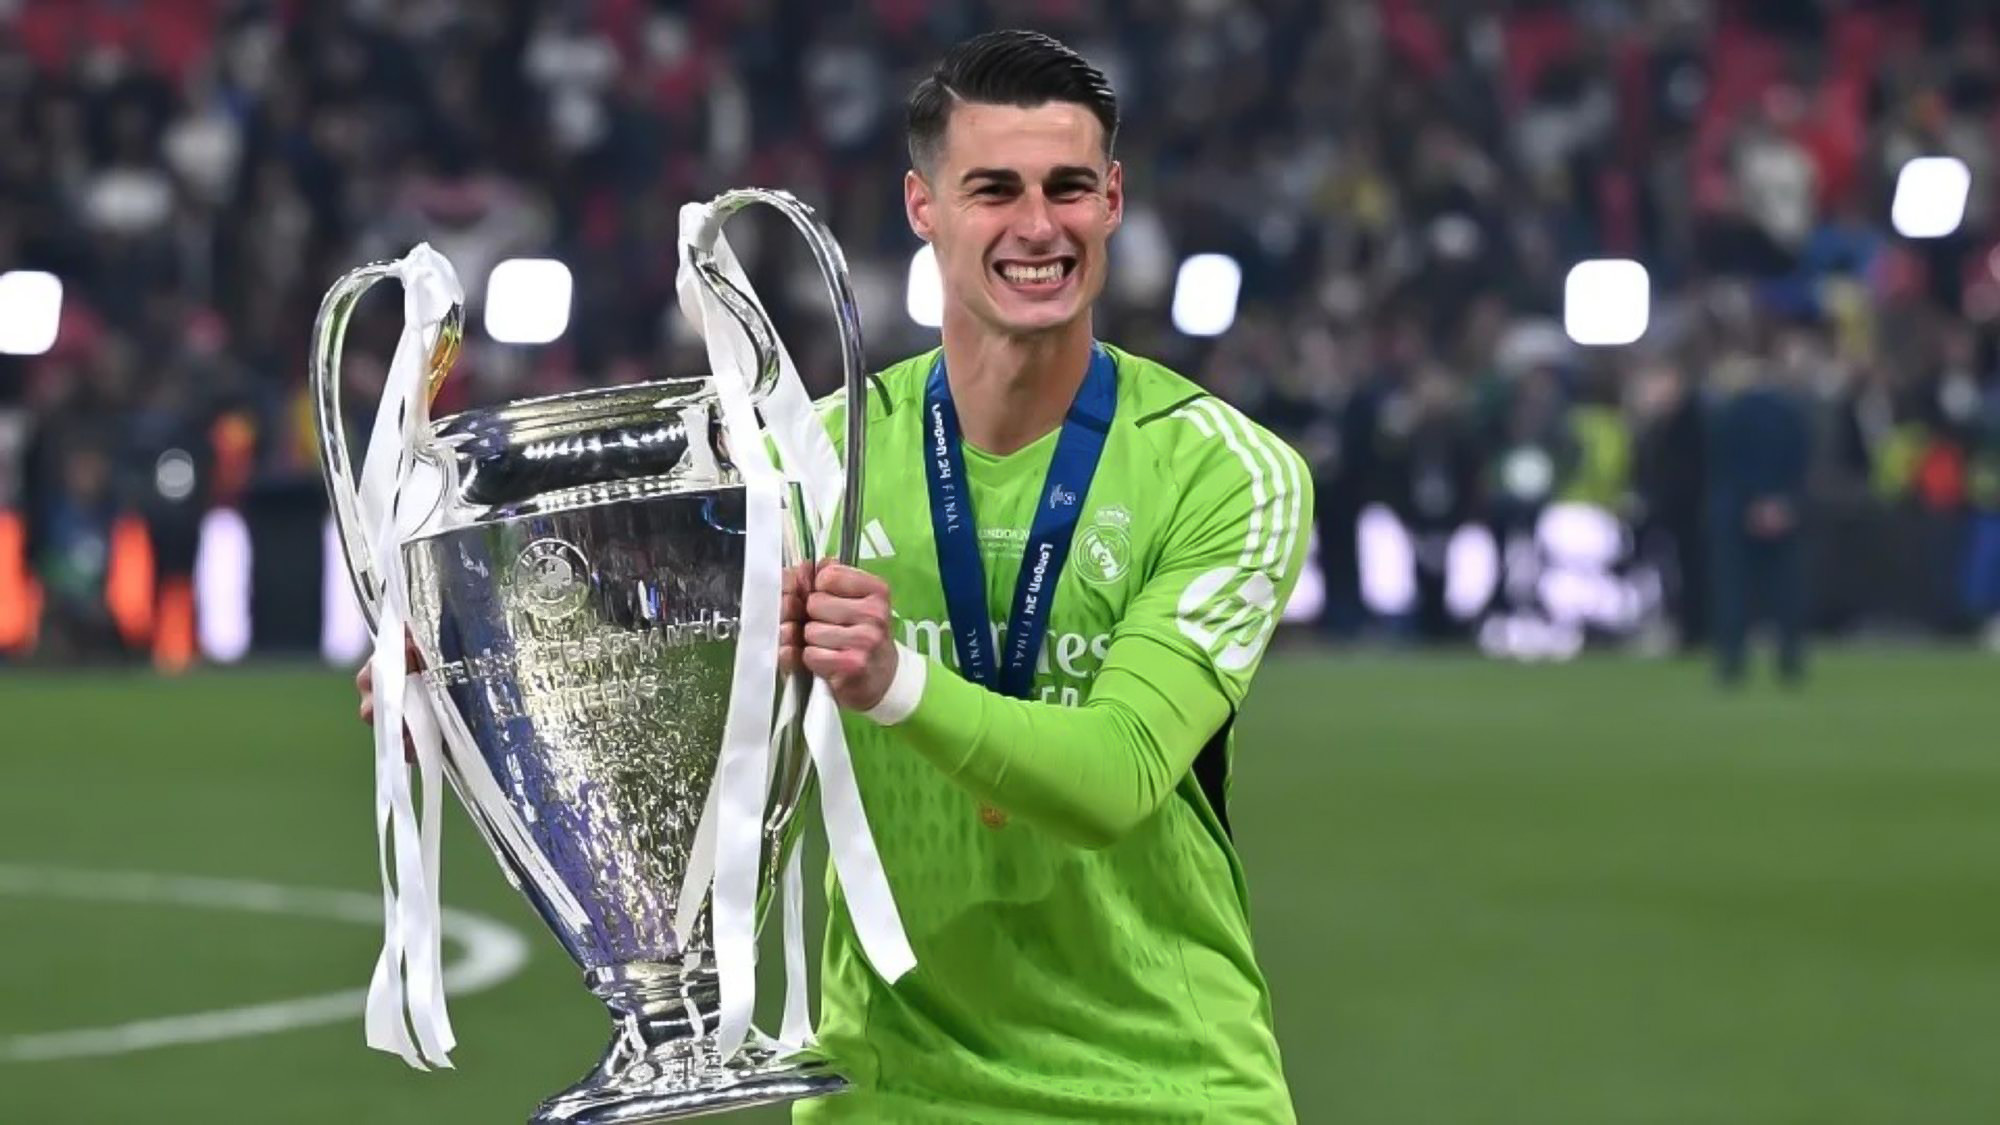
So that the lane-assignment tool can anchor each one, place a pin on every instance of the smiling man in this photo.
(1078, 557)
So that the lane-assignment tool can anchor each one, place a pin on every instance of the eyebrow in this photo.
(1009, 176)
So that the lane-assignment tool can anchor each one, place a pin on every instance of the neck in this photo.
(1011, 390)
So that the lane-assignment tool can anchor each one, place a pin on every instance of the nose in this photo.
(1036, 222)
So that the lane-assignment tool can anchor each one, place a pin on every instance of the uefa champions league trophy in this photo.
(592, 582)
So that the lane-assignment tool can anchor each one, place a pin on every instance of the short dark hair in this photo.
(1017, 68)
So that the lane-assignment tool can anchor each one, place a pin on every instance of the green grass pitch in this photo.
(1593, 894)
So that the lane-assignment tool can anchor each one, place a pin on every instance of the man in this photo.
(1668, 471)
(1052, 815)
(1049, 801)
(1759, 455)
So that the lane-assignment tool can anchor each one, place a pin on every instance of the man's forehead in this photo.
(1025, 140)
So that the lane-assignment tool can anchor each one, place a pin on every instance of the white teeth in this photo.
(1029, 274)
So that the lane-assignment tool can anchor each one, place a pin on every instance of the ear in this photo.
(1114, 194)
(917, 203)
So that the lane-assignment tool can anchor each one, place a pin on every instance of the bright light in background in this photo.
(925, 295)
(1580, 583)
(1580, 535)
(222, 570)
(1607, 302)
(1530, 639)
(343, 632)
(1309, 593)
(1471, 571)
(30, 311)
(527, 300)
(1205, 294)
(1388, 562)
(1930, 197)
(173, 475)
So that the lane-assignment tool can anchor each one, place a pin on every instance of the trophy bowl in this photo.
(580, 636)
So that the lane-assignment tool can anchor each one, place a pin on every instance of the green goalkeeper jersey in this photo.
(1063, 864)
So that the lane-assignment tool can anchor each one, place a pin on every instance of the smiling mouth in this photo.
(1035, 275)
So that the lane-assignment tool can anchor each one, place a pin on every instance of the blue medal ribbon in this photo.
(963, 572)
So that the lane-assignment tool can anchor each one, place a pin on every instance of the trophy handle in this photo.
(833, 269)
(336, 463)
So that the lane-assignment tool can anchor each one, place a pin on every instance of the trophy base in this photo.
(662, 1064)
(649, 1090)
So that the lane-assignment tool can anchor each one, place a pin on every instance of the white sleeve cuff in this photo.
(906, 690)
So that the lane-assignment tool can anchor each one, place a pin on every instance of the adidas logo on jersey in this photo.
(1231, 610)
(875, 542)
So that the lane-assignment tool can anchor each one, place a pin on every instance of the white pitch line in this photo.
(494, 951)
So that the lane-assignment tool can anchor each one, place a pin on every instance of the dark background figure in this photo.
(1344, 463)
(1434, 466)
(174, 460)
(71, 552)
(1669, 471)
(1981, 580)
(1759, 451)
(1531, 457)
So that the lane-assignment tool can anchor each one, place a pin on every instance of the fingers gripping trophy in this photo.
(592, 584)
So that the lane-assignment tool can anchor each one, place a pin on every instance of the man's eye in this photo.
(1068, 192)
(991, 190)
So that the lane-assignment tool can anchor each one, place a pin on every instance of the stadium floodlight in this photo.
(30, 311)
(1930, 197)
(924, 296)
(527, 300)
(1205, 294)
(1607, 302)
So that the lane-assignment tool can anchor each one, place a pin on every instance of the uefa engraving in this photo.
(552, 577)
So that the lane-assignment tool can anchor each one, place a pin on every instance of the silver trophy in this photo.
(574, 600)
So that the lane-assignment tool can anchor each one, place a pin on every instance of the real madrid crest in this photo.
(1104, 549)
(550, 579)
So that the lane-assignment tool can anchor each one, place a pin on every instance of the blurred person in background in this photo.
(169, 444)
(1982, 554)
(1433, 461)
(70, 548)
(1531, 456)
(1759, 449)
(1330, 421)
(1669, 488)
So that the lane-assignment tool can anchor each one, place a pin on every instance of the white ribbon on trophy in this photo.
(398, 493)
(729, 841)
(399, 496)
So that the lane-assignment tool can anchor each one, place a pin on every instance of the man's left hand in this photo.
(847, 637)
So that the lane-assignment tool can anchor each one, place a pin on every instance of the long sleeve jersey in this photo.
(1064, 863)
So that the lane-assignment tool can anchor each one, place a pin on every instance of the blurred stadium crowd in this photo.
(1404, 185)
